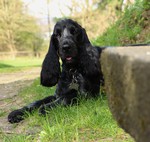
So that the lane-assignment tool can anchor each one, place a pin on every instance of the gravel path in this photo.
(10, 85)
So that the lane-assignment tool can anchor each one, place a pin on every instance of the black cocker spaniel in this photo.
(80, 74)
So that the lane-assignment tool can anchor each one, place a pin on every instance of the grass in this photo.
(89, 121)
(132, 27)
(19, 64)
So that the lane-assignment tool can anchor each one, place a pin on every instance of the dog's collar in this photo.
(72, 71)
(74, 84)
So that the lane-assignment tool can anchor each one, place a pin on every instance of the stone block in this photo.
(127, 79)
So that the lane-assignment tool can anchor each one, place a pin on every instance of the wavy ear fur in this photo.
(51, 67)
(89, 57)
(85, 38)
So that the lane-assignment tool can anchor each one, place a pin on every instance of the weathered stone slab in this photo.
(127, 79)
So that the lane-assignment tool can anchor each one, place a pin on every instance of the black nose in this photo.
(66, 47)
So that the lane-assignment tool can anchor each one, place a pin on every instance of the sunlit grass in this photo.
(89, 121)
(127, 28)
(19, 64)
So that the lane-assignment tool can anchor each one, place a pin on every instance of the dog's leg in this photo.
(69, 99)
(19, 114)
(44, 108)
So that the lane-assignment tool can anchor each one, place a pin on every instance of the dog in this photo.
(79, 76)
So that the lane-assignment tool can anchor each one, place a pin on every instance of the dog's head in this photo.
(67, 40)
(69, 37)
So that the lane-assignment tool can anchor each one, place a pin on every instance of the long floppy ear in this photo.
(51, 67)
(82, 37)
(85, 38)
(89, 57)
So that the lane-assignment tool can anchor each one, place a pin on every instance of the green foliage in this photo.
(146, 4)
(103, 4)
(30, 38)
(127, 28)
(18, 30)
(95, 16)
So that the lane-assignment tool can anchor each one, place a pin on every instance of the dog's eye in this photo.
(72, 30)
(58, 32)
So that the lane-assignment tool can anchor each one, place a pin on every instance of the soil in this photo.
(10, 85)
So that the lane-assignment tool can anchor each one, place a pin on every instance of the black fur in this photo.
(81, 73)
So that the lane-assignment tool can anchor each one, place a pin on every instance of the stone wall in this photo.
(127, 79)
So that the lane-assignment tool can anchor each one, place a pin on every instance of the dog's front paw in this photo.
(16, 116)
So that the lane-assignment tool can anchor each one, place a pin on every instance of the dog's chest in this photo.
(74, 83)
(77, 81)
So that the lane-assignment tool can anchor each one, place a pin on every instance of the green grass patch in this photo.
(131, 27)
(19, 64)
(89, 121)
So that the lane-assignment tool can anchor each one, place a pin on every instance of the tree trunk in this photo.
(12, 50)
(11, 43)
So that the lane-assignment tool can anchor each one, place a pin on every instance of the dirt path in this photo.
(10, 85)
